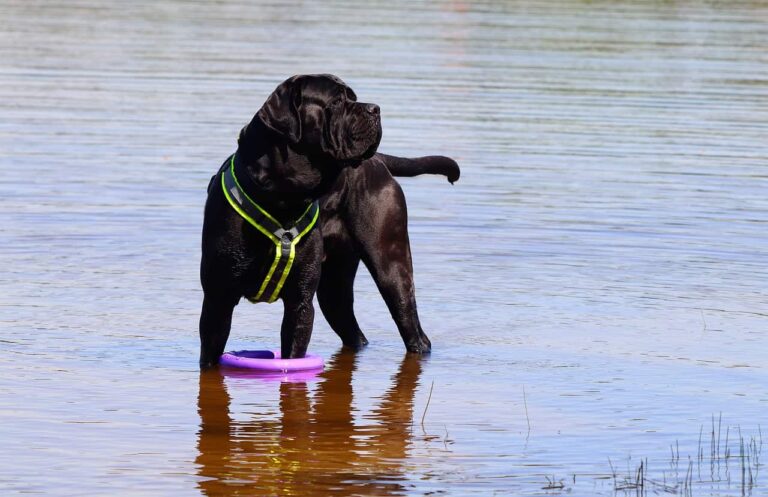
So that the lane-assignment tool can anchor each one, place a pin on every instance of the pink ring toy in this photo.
(269, 361)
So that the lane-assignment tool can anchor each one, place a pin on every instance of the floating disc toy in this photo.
(270, 362)
(255, 374)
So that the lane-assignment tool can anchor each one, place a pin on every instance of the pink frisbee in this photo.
(269, 361)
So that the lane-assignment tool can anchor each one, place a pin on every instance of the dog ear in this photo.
(280, 112)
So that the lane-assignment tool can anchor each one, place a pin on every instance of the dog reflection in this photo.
(317, 447)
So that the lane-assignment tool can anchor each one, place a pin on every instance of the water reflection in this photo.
(315, 445)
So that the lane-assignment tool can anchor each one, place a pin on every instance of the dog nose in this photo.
(373, 109)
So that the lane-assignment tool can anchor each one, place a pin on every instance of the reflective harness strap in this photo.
(285, 240)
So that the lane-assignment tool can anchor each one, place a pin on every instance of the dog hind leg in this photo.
(394, 278)
(336, 297)
(387, 255)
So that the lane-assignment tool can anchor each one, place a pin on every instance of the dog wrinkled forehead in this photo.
(324, 85)
(281, 110)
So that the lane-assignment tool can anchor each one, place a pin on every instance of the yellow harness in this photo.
(285, 240)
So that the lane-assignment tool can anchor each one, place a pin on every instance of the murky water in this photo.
(595, 286)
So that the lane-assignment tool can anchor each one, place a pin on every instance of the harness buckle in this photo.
(286, 238)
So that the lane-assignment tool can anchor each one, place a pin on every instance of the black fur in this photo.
(313, 140)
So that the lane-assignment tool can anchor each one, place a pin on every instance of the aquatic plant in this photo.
(726, 466)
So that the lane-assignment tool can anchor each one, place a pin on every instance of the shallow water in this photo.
(594, 286)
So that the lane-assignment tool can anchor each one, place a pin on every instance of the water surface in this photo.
(594, 286)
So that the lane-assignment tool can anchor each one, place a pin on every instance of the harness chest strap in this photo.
(285, 240)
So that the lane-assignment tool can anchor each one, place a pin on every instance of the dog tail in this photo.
(432, 164)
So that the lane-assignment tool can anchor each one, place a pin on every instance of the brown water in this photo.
(595, 286)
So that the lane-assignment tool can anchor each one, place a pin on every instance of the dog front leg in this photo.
(215, 323)
(296, 330)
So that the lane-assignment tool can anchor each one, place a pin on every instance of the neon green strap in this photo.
(285, 240)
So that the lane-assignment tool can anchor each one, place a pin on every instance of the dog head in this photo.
(319, 115)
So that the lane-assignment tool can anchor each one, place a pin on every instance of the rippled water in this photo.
(595, 285)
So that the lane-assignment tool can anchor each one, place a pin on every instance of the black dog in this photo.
(309, 154)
